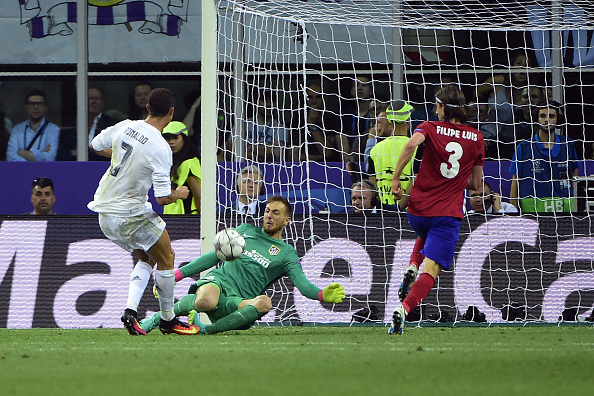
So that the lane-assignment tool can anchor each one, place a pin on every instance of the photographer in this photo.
(485, 201)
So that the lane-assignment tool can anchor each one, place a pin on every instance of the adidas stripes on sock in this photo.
(139, 278)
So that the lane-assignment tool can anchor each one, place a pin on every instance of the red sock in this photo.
(417, 257)
(418, 291)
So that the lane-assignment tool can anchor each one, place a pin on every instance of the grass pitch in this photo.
(534, 360)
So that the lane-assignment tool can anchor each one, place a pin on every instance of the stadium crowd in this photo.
(354, 123)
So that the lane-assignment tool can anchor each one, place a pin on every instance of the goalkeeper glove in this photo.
(333, 293)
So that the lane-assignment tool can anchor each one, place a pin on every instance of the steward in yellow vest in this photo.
(393, 133)
(186, 168)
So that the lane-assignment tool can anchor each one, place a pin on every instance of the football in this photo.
(229, 245)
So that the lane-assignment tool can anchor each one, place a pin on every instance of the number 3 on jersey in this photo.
(452, 167)
(127, 151)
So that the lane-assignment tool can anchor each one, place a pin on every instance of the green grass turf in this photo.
(533, 360)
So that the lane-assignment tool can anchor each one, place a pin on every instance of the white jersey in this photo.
(140, 157)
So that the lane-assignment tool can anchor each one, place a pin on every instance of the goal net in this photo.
(300, 86)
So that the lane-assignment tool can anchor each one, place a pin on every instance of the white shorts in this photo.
(131, 233)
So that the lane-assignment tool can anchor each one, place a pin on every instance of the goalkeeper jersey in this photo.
(264, 261)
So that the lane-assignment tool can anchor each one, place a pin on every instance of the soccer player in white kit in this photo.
(141, 157)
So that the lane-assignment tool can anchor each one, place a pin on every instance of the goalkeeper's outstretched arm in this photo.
(333, 293)
(196, 266)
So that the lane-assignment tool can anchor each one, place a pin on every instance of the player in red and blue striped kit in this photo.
(452, 161)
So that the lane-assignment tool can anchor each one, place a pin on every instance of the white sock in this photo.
(165, 280)
(139, 278)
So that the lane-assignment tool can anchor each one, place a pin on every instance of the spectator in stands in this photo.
(423, 109)
(249, 184)
(4, 136)
(549, 93)
(42, 196)
(324, 142)
(358, 119)
(139, 99)
(479, 116)
(193, 101)
(543, 166)
(36, 139)
(193, 120)
(266, 135)
(484, 200)
(186, 170)
(356, 172)
(375, 110)
(393, 134)
(6, 122)
(504, 95)
(97, 120)
(364, 198)
(524, 126)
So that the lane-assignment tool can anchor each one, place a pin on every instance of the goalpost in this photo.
(528, 267)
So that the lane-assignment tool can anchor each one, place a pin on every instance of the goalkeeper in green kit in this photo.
(232, 295)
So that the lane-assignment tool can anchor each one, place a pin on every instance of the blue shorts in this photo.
(440, 235)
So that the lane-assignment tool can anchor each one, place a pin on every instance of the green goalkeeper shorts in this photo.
(229, 299)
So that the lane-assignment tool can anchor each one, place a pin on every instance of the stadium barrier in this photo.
(60, 271)
(76, 182)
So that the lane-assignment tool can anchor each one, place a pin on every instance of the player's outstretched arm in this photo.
(196, 266)
(333, 293)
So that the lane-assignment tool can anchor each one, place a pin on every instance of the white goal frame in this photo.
(573, 249)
